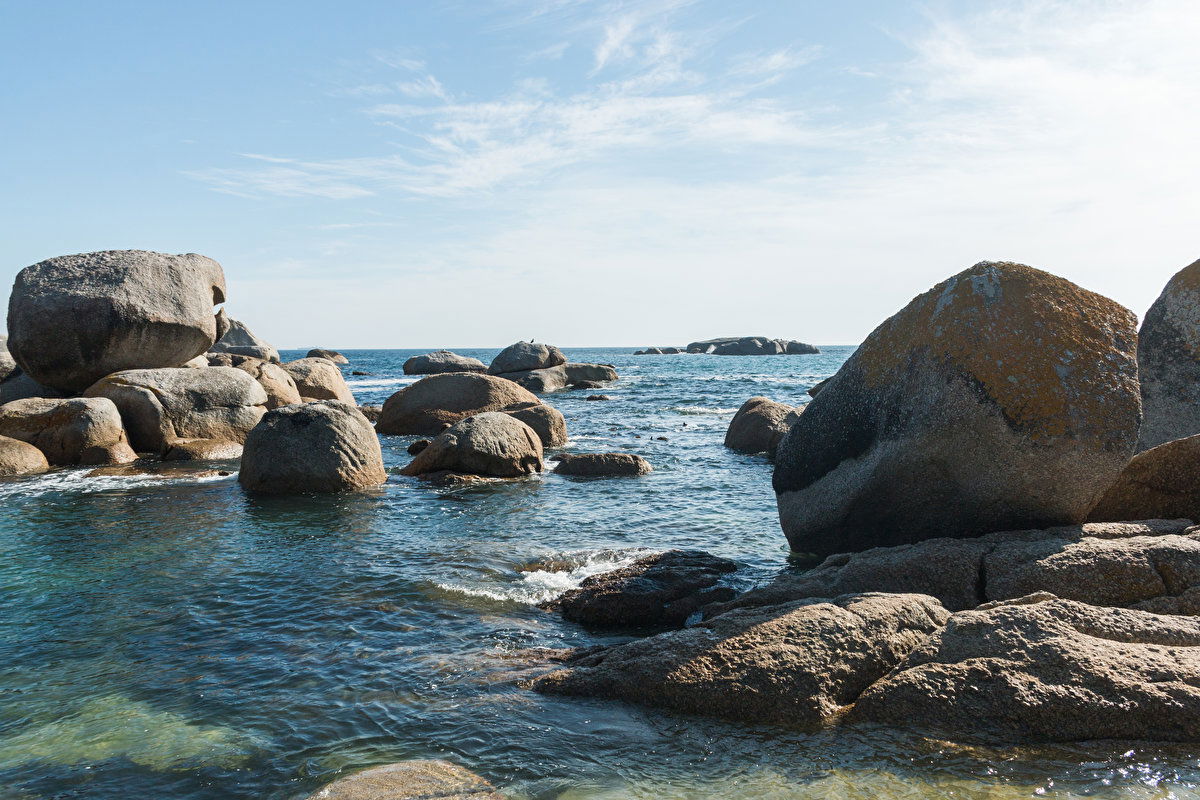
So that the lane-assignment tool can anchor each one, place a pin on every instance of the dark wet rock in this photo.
(276, 381)
(1162, 482)
(759, 425)
(360, 372)
(1004, 397)
(588, 385)
(323, 446)
(418, 446)
(1042, 669)
(20, 458)
(160, 406)
(596, 397)
(1152, 565)
(797, 664)
(409, 780)
(317, 378)
(8, 364)
(202, 450)
(547, 422)
(74, 319)
(1168, 355)
(603, 464)
(525, 356)
(81, 430)
(492, 444)
(240, 340)
(817, 387)
(329, 355)
(440, 361)
(434, 403)
(449, 479)
(660, 589)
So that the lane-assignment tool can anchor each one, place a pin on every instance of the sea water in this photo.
(162, 635)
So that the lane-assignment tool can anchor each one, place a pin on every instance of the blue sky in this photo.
(407, 174)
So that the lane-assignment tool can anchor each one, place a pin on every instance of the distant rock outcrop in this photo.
(751, 346)
(1004, 397)
(440, 361)
(1168, 355)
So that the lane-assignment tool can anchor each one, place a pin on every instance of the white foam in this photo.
(80, 481)
(543, 585)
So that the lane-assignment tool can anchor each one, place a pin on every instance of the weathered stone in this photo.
(328, 355)
(1041, 669)
(276, 381)
(409, 780)
(1004, 397)
(796, 348)
(323, 446)
(659, 589)
(20, 458)
(759, 425)
(317, 378)
(797, 664)
(429, 405)
(8, 364)
(372, 413)
(440, 361)
(160, 406)
(539, 381)
(595, 397)
(602, 464)
(74, 319)
(492, 443)
(80, 430)
(596, 373)
(418, 446)
(1168, 355)
(524, 356)
(202, 450)
(19, 386)
(547, 422)
(1152, 565)
(239, 340)
(1162, 482)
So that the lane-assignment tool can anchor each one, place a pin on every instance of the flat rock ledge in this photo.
(657, 590)
(410, 780)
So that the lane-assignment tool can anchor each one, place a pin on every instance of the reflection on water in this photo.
(164, 636)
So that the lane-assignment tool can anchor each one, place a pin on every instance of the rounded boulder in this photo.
(493, 444)
(440, 361)
(524, 356)
(318, 378)
(431, 404)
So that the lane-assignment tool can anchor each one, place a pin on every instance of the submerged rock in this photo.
(524, 356)
(429, 405)
(1004, 397)
(440, 361)
(323, 446)
(74, 319)
(1169, 362)
(276, 381)
(797, 664)
(161, 406)
(1041, 669)
(81, 430)
(595, 397)
(659, 589)
(602, 464)
(239, 340)
(1162, 482)
(492, 444)
(759, 425)
(318, 379)
(20, 458)
(409, 780)
(328, 355)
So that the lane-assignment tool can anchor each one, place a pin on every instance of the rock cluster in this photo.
(737, 346)
(543, 368)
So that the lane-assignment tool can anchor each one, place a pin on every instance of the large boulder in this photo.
(276, 381)
(524, 356)
(1004, 397)
(323, 446)
(1163, 482)
(1152, 565)
(161, 406)
(240, 340)
(595, 465)
(318, 378)
(431, 404)
(81, 430)
(74, 319)
(440, 361)
(493, 444)
(759, 425)
(798, 664)
(409, 780)
(547, 422)
(797, 348)
(1041, 669)
(659, 589)
(20, 458)
(1169, 361)
(328, 355)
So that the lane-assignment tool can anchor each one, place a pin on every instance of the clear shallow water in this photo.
(164, 636)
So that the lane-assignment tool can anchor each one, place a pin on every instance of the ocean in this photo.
(162, 635)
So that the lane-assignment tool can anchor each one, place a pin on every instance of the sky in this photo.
(583, 172)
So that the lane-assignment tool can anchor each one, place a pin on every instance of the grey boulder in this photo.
(80, 430)
(433, 403)
(161, 406)
(323, 446)
(440, 361)
(551, 379)
(547, 422)
(318, 378)
(596, 465)
(1168, 355)
(74, 319)
(20, 458)
(492, 444)
(759, 425)
(524, 356)
(240, 340)
(1004, 397)
(328, 355)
